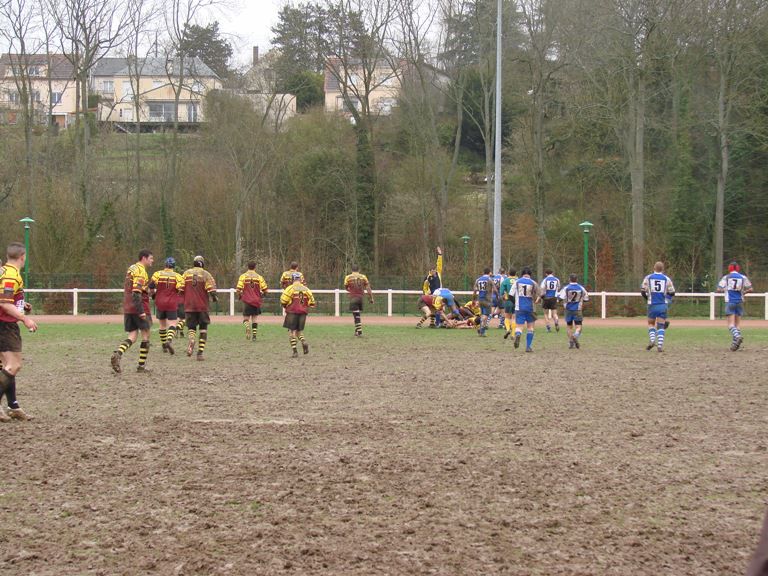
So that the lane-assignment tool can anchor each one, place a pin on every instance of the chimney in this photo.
(255, 55)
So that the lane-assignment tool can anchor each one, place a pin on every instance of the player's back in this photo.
(484, 287)
(167, 284)
(197, 283)
(734, 285)
(525, 291)
(658, 286)
(550, 286)
(574, 295)
(356, 283)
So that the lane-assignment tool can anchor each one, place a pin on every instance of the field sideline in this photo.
(403, 452)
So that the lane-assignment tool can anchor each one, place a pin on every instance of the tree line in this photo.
(648, 118)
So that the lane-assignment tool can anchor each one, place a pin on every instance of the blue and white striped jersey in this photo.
(526, 291)
(734, 285)
(574, 295)
(658, 286)
(550, 286)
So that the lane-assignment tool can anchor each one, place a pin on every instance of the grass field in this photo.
(404, 452)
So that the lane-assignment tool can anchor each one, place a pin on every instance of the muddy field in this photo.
(404, 452)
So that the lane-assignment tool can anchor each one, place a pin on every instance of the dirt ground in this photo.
(404, 452)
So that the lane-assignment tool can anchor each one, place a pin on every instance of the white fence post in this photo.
(74, 301)
(231, 301)
(337, 302)
(766, 306)
(711, 305)
(603, 305)
(389, 302)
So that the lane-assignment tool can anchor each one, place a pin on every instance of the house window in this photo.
(157, 84)
(56, 97)
(197, 87)
(33, 70)
(108, 86)
(36, 96)
(14, 97)
(161, 111)
(127, 90)
(192, 112)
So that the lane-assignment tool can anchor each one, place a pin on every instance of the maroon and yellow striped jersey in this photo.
(198, 283)
(251, 288)
(136, 281)
(356, 284)
(167, 283)
(297, 299)
(13, 289)
(286, 279)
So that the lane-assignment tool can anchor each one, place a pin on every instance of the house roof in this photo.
(61, 67)
(154, 66)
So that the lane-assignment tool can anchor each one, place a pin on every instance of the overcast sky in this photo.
(248, 24)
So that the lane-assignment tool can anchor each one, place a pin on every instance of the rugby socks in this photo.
(163, 336)
(201, 342)
(529, 339)
(358, 323)
(171, 334)
(735, 332)
(10, 390)
(124, 345)
(254, 329)
(180, 327)
(143, 351)
(420, 323)
(294, 342)
(652, 335)
(432, 321)
(508, 324)
(660, 337)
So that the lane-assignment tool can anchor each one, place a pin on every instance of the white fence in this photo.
(337, 293)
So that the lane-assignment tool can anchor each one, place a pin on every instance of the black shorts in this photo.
(294, 321)
(197, 320)
(133, 322)
(10, 337)
(549, 303)
(180, 311)
(355, 303)
(167, 314)
(249, 310)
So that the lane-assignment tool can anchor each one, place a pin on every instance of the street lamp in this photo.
(465, 238)
(27, 221)
(585, 226)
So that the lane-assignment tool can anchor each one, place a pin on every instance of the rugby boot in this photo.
(659, 349)
(571, 345)
(200, 357)
(507, 334)
(169, 348)
(517, 339)
(557, 327)
(19, 414)
(3, 416)
(143, 369)
(190, 347)
(650, 346)
(576, 342)
(115, 361)
(739, 340)
(165, 348)
(305, 347)
(529, 349)
(295, 354)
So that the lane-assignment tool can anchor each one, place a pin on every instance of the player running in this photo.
(734, 285)
(483, 294)
(136, 314)
(573, 296)
(657, 289)
(527, 295)
(357, 285)
(251, 288)
(286, 278)
(297, 299)
(199, 287)
(550, 287)
(164, 289)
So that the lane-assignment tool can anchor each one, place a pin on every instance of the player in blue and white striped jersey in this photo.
(550, 287)
(527, 294)
(485, 291)
(657, 289)
(573, 296)
(734, 285)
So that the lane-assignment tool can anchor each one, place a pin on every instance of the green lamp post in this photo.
(27, 221)
(585, 227)
(465, 239)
